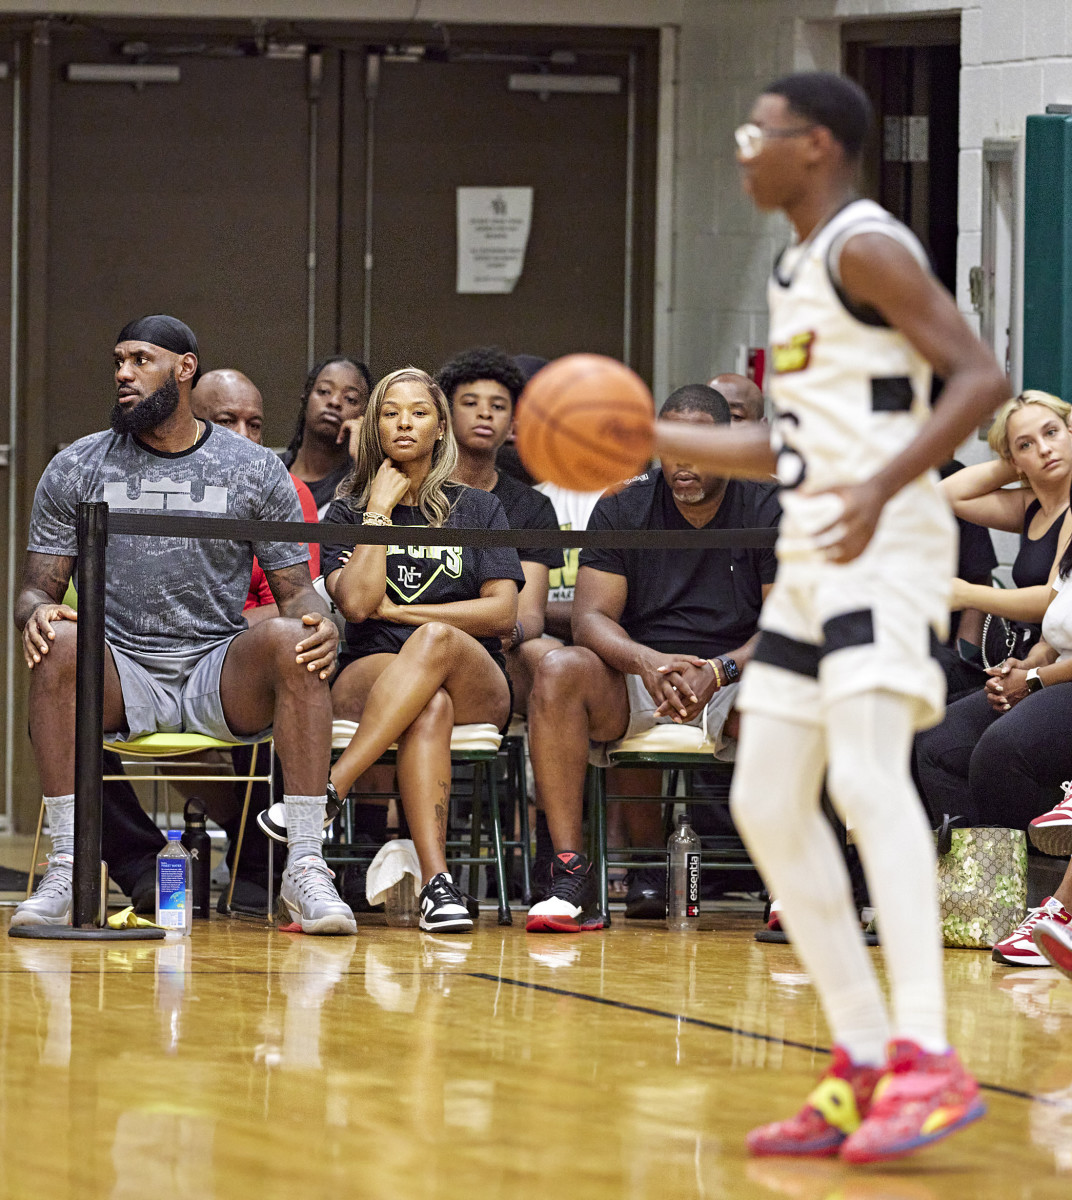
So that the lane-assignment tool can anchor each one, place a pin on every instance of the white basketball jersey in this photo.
(849, 392)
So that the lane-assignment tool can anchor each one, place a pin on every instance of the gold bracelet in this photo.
(375, 518)
(716, 668)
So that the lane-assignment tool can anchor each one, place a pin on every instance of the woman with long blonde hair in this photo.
(1032, 439)
(424, 623)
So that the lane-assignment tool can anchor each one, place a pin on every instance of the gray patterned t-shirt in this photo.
(170, 595)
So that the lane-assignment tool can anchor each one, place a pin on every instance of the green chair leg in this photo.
(497, 844)
(472, 870)
(597, 810)
(517, 759)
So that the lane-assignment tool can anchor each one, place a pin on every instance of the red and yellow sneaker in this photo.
(922, 1099)
(833, 1110)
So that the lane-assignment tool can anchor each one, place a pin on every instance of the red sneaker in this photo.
(923, 1098)
(1055, 941)
(1052, 832)
(833, 1110)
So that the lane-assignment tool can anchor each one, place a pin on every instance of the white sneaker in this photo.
(311, 898)
(51, 903)
(443, 908)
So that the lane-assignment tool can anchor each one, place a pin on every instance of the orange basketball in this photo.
(585, 422)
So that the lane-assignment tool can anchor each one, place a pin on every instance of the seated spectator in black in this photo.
(180, 656)
(333, 401)
(659, 635)
(482, 387)
(743, 395)
(1003, 755)
(424, 623)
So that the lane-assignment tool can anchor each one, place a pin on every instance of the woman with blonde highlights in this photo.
(424, 623)
(1032, 437)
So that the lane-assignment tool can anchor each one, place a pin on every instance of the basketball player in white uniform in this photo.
(842, 677)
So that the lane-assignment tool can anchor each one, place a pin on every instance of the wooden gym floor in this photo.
(250, 1063)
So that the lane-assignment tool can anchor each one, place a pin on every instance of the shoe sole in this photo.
(847, 1153)
(559, 923)
(998, 957)
(333, 924)
(796, 1150)
(32, 918)
(778, 937)
(454, 925)
(1052, 839)
(1057, 952)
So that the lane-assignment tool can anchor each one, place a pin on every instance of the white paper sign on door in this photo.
(493, 231)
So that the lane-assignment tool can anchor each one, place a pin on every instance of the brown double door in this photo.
(286, 209)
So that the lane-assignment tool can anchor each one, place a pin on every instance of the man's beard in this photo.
(147, 414)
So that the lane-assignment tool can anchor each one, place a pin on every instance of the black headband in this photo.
(167, 332)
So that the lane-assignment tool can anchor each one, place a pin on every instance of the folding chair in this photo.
(676, 748)
(155, 756)
(477, 745)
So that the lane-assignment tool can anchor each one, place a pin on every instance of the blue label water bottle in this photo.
(173, 908)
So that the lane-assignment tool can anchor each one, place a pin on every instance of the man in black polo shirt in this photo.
(482, 387)
(659, 635)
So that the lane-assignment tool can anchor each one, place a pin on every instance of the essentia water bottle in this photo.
(683, 878)
(173, 908)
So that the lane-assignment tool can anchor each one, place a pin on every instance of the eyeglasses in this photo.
(750, 137)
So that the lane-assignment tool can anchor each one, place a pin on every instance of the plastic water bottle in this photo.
(173, 908)
(196, 840)
(683, 878)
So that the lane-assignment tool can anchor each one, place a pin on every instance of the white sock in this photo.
(305, 826)
(777, 784)
(870, 741)
(60, 811)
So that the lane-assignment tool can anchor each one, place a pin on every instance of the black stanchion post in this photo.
(89, 713)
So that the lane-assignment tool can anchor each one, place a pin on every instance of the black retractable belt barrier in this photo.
(94, 527)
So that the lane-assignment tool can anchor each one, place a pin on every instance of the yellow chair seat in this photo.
(168, 745)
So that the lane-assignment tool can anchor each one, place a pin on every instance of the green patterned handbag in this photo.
(982, 883)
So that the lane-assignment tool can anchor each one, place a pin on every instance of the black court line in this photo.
(718, 1027)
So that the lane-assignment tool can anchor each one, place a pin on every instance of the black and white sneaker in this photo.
(273, 820)
(572, 891)
(443, 907)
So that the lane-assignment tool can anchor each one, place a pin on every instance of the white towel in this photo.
(392, 863)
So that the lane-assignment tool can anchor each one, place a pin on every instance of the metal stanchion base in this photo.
(69, 933)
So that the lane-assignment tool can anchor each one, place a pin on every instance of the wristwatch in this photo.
(1034, 683)
(733, 671)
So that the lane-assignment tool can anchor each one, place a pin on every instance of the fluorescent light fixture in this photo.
(122, 73)
(603, 85)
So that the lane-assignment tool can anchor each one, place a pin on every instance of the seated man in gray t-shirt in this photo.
(179, 654)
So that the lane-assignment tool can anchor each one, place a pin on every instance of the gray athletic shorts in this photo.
(175, 693)
(642, 718)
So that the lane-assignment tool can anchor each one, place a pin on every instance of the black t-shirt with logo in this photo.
(526, 508)
(703, 602)
(429, 574)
